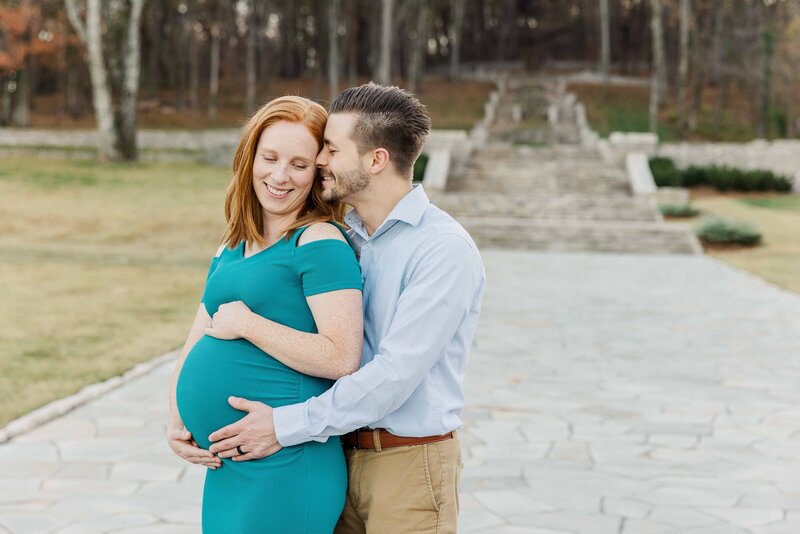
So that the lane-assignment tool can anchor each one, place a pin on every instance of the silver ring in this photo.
(239, 449)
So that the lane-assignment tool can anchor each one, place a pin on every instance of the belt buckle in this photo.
(358, 439)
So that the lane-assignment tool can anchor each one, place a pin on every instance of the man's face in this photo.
(343, 170)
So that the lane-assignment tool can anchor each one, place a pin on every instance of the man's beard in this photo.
(346, 184)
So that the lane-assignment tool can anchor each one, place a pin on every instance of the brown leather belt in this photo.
(363, 438)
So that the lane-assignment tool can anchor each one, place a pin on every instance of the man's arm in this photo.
(431, 308)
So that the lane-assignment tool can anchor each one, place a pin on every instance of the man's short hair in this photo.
(387, 117)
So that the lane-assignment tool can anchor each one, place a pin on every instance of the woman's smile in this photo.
(277, 193)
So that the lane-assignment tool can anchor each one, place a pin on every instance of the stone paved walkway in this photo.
(606, 394)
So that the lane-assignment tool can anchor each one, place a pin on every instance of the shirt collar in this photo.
(410, 210)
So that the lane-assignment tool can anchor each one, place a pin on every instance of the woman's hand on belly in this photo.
(181, 442)
(230, 321)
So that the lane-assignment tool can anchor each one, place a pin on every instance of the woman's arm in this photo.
(332, 353)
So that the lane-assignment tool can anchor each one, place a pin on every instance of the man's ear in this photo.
(380, 160)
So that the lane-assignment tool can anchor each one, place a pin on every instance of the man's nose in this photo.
(322, 160)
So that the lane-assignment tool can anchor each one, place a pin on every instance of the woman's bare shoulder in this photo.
(320, 231)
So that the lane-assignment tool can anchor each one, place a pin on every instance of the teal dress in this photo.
(300, 489)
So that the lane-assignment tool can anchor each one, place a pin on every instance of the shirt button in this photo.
(369, 243)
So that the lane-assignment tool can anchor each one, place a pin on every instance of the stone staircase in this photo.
(557, 198)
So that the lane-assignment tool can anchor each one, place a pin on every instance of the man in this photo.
(423, 284)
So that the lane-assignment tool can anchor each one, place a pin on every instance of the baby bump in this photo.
(216, 369)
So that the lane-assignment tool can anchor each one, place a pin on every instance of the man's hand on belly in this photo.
(254, 434)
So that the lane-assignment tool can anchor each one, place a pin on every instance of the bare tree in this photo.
(195, 32)
(657, 69)
(457, 11)
(721, 76)
(768, 40)
(605, 42)
(352, 44)
(89, 33)
(334, 66)
(213, 80)
(683, 68)
(418, 44)
(250, 59)
(127, 122)
(507, 27)
(385, 62)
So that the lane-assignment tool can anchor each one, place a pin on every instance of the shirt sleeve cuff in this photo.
(291, 426)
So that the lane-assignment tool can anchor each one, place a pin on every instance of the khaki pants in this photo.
(411, 489)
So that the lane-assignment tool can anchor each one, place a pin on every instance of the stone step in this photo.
(598, 207)
(527, 185)
(582, 236)
(564, 154)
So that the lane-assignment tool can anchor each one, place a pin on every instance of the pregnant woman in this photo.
(285, 267)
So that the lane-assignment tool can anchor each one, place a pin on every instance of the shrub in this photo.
(678, 210)
(720, 177)
(664, 172)
(723, 232)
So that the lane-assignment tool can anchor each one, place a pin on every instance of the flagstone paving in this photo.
(605, 394)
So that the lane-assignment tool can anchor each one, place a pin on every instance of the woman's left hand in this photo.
(230, 321)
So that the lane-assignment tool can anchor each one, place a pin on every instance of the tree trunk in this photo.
(352, 45)
(683, 68)
(457, 9)
(333, 48)
(657, 67)
(768, 41)
(507, 33)
(154, 21)
(20, 112)
(384, 64)
(194, 68)
(213, 82)
(74, 83)
(318, 45)
(719, 108)
(605, 42)
(91, 35)
(263, 49)
(418, 46)
(130, 84)
(250, 59)
(5, 101)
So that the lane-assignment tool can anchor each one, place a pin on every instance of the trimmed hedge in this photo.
(678, 210)
(723, 232)
(720, 177)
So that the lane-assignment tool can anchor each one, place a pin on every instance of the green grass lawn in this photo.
(101, 267)
(778, 217)
(621, 109)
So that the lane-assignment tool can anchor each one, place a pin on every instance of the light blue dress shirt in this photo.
(423, 285)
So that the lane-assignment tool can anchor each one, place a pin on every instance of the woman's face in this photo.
(283, 168)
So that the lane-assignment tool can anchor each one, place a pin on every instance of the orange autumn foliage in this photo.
(23, 33)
